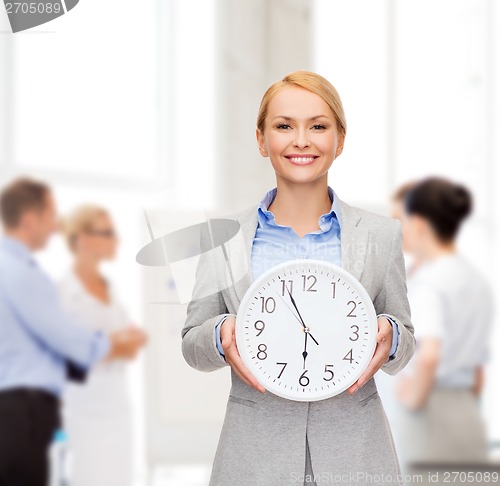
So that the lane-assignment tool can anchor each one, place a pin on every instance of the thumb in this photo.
(226, 340)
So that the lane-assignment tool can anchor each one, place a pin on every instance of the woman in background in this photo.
(97, 415)
(451, 307)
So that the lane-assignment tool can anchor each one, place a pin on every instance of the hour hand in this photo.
(304, 353)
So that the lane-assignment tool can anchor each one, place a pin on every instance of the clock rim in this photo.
(249, 295)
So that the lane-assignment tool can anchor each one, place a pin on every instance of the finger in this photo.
(383, 334)
(381, 337)
(366, 376)
(250, 381)
(383, 348)
(237, 364)
(384, 330)
(242, 367)
(245, 372)
(238, 373)
(228, 341)
(379, 358)
(226, 337)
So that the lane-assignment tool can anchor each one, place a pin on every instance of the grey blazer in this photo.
(262, 441)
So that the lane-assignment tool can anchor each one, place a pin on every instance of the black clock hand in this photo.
(294, 315)
(306, 329)
(304, 354)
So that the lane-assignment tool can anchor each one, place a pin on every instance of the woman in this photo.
(452, 312)
(266, 439)
(97, 415)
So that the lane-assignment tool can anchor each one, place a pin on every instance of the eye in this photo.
(319, 127)
(283, 126)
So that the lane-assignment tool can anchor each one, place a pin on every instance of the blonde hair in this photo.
(312, 82)
(82, 219)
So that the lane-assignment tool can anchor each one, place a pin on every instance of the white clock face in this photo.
(306, 329)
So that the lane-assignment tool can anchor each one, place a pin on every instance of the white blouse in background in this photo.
(97, 414)
(451, 301)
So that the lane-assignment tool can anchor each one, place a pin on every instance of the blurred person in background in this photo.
(98, 415)
(397, 212)
(386, 384)
(39, 342)
(452, 310)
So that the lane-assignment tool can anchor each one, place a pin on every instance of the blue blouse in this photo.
(274, 243)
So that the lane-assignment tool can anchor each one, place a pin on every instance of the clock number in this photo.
(329, 372)
(310, 288)
(282, 369)
(304, 380)
(262, 351)
(348, 357)
(356, 333)
(333, 290)
(268, 305)
(284, 287)
(260, 327)
(353, 308)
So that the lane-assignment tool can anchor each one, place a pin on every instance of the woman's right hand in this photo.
(232, 356)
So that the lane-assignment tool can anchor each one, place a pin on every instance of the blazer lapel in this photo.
(248, 222)
(354, 241)
(241, 255)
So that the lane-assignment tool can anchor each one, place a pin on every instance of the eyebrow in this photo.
(289, 118)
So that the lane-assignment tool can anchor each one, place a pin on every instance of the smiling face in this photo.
(300, 135)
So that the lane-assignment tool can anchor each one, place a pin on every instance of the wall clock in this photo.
(306, 329)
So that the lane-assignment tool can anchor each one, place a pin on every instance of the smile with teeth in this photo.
(301, 159)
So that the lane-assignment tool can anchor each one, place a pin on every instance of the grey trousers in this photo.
(308, 473)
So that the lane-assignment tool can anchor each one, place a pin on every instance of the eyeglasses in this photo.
(104, 233)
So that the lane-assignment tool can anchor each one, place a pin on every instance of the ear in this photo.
(340, 145)
(420, 224)
(27, 219)
(261, 142)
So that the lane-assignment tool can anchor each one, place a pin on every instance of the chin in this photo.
(300, 175)
(41, 244)
(305, 178)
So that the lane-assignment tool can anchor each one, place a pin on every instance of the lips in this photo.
(301, 159)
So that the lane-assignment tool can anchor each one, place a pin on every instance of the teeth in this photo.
(301, 160)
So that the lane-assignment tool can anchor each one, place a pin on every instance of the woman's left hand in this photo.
(381, 355)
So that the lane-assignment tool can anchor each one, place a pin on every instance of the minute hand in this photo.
(301, 320)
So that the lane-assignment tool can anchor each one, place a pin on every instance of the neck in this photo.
(22, 236)
(300, 204)
(86, 267)
(435, 250)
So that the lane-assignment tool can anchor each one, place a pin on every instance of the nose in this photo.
(301, 139)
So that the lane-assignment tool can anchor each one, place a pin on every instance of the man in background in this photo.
(40, 346)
